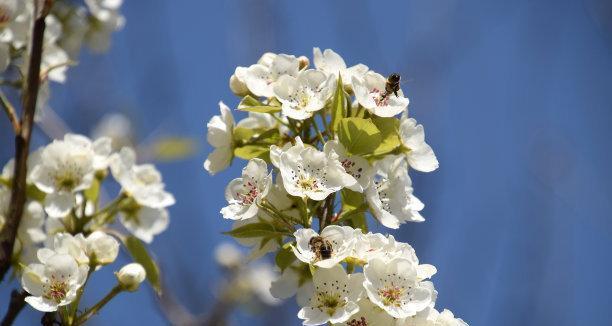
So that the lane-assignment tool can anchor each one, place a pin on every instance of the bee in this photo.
(392, 85)
(322, 248)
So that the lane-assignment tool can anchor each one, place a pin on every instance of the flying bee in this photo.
(392, 85)
(322, 248)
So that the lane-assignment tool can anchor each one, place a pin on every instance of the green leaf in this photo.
(248, 152)
(284, 258)
(389, 133)
(338, 109)
(35, 193)
(93, 192)
(5, 182)
(359, 136)
(251, 104)
(173, 148)
(353, 204)
(257, 230)
(139, 252)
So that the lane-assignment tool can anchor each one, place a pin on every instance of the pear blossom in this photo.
(419, 154)
(334, 297)
(144, 222)
(394, 286)
(431, 317)
(101, 248)
(256, 120)
(295, 280)
(141, 182)
(65, 167)
(390, 196)
(108, 20)
(260, 277)
(341, 238)
(332, 63)
(131, 275)
(369, 92)
(220, 136)
(117, 127)
(303, 95)
(228, 255)
(53, 282)
(356, 166)
(101, 148)
(261, 77)
(30, 233)
(368, 314)
(245, 193)
(310, 173)
(66, 243)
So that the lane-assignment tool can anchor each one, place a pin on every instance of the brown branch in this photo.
(22, 139)
(10, 112)
(17, 303)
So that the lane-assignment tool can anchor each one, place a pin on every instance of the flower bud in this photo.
(102, 247)
(238, 87)
(304, 62)
(130, 276)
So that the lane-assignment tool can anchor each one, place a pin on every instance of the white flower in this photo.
(259, 278)
(30, 232)
(144, 222)
(141, 182)
(237, 86)
(419, 154)
(257, 120)
(302, 95)
(310, 173)
(108, 19)
(341, 239)
(220, 136)
(369, 92)
(131, 275)
(368, 314)
(54, 283)
(431, 317)
(33, 160)
(390, 196)
(331, 63)
(101, 247)
(394, 286)
(101, 148)
(334, 297)
(356, 166)
(65, 167)
(295, 280)
(66, 243)
(244, 194)
(260, 78)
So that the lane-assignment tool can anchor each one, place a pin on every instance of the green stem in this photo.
(275, 212)
(279, 120)
(348, 215)
(94, 310)
(74, 306)
(316, 128)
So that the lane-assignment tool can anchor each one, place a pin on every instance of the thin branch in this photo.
(10, 112)
(22, 140)
(17, 303)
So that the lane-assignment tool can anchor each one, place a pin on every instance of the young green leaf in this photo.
(353, 209)
(284, 258)
(359, 136)
(389, 133)
(251, 104)
(256, 230)
(338, 109)
(248, 152)
(139, 252)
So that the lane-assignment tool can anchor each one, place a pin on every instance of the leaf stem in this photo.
(94, 310)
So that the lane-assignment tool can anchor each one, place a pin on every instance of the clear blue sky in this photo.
(516, 100)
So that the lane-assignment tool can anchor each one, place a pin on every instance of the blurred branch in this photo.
(10, 112)
(17, 303)
(22, 139)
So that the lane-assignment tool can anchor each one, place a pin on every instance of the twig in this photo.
(10, 112)
(22, 140)
(17, 303)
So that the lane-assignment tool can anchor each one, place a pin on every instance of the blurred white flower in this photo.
(220, 136)
(245, 193)
(419, 154)
(394, 286)
(338, 241)
(303, 95)
(370, 93)
(117, 127)
(108, 20)
(260, 277)
(54, 282)
(130, 276)
(334, 297)
(228, 255)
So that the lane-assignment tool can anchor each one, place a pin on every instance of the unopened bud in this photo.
(130, 276)
(238, 87)
(304, 62)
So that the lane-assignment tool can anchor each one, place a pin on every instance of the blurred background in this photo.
(516, 99)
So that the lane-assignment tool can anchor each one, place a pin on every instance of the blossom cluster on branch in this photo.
(324, 147)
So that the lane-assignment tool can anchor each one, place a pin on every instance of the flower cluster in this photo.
(69, 26)
(325, 146)
(66, 233)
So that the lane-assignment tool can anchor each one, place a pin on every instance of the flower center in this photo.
(391, 295)
(354, 322)
(378, 98)
(329, 302)
(56, 290)
(66, 181)
(248, 197)
(307, 183)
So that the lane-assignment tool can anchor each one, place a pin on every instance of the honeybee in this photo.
(392, 85)
(322, 248)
